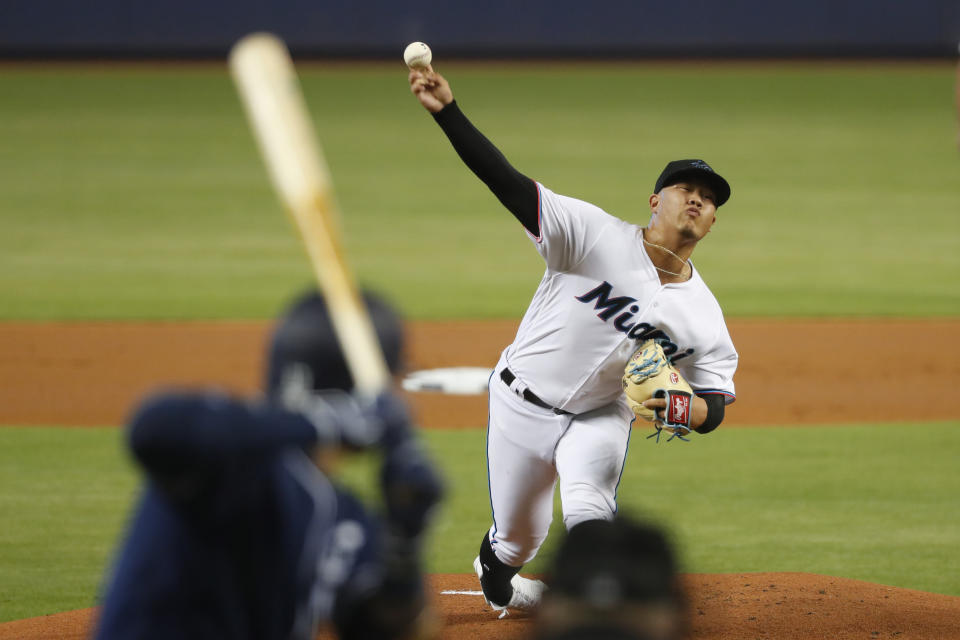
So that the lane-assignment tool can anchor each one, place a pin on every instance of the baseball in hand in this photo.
(417, 55)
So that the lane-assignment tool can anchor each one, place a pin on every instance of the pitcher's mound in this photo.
(736, 606)
(751, 606)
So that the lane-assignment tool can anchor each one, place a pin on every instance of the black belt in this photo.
(507, 376)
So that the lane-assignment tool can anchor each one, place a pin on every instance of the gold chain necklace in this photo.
(661, 269)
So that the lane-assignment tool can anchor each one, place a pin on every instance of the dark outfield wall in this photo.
(380, 28)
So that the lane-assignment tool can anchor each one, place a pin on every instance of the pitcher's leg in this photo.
(590, 459)
(521, 476)
(521, 497)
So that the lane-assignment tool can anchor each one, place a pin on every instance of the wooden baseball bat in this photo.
(274, 102)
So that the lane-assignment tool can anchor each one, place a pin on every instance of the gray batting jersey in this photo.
(600, 297)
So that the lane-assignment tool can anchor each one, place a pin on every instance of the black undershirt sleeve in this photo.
(715, 409)
(517, 192)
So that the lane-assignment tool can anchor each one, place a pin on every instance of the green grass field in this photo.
(875, 503)
(135, 192)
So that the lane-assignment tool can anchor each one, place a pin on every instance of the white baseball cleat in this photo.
(526, 592)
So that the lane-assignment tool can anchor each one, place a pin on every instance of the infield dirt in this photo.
(791, 372)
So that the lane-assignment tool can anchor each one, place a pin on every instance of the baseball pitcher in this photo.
(620, 307)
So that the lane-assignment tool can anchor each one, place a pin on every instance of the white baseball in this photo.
(417, 55)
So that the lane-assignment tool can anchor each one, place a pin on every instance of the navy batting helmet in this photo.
(304, 338)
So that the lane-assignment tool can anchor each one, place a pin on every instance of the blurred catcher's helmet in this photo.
(304, 344)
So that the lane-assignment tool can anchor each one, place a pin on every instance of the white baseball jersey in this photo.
(601, 297)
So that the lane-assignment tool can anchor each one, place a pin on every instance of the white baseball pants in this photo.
(529, 448)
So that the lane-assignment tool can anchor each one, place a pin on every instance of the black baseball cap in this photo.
(677, 170)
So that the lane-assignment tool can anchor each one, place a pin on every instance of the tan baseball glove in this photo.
(649, 374)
